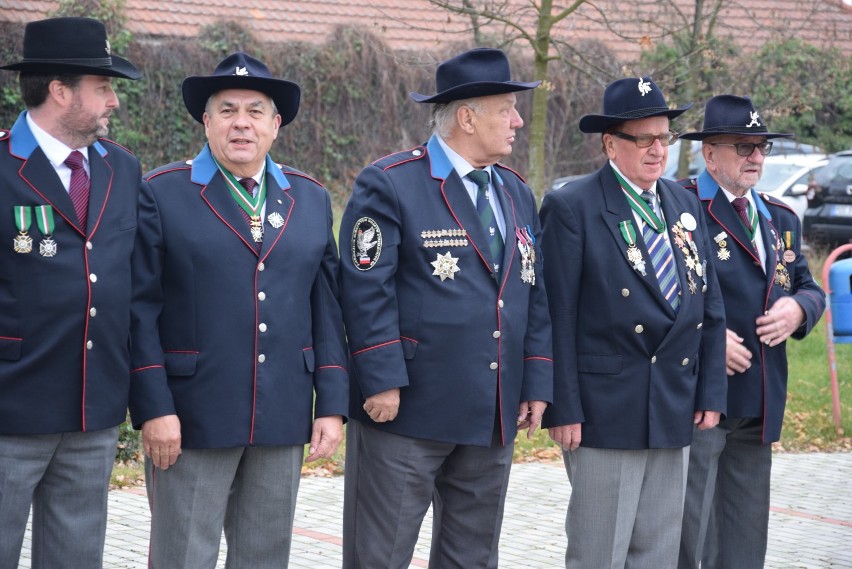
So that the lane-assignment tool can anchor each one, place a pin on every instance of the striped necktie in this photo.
(661, 256)
(78, 190)
(486, 216)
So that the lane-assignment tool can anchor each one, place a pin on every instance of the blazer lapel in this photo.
(40, 175)
(219, 198)
(510, 239)
(725, 215)
(100, 185)
(618, 210)
(279, 206)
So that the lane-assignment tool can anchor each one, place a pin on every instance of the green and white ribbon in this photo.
(640, 206)
(252, 205)
(44, 218)
(627, 232)
(23, 218)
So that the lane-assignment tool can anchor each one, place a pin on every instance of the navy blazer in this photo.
(626, 366)
(466, 347)
(750, 291)
(65, 320)
(234, 342)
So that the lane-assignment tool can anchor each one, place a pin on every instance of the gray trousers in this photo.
(390, 482)
(65, 477)
(726, 515)
(250, 492)
(625, 507)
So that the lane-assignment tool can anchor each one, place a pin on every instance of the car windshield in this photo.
(774, 175)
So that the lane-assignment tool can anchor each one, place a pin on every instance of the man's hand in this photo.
(384, 406)
(325, 438)
(706, 419)
(568, 437)
(737, 356)
(161, 440)
(529, 416)
(780, 321)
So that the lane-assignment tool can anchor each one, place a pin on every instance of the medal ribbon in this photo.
(640, 206)
(23, 218)
(788, 238)
(250, 204)
(627, 232)
(752, 221)
(44, 218)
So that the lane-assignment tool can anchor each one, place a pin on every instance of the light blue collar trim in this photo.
(23, 143)
(708, 187)
(204, 168)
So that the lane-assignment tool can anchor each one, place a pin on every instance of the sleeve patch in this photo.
(366, 244)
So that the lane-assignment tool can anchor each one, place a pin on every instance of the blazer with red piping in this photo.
(65, 320)
(235, 342)
(466, 349)
(748, 292)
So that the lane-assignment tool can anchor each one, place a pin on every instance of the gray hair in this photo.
(444, 115)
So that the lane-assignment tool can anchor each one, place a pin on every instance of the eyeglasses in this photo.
(646, 140)
(746, 148)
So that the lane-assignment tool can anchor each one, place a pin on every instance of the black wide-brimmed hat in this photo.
(629, 99)
(475, 73)
(71, 45)
(241, 71)
(729, 114)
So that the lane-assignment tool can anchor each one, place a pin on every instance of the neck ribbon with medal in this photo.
(252, 205)
(682, 232)
(23, 243)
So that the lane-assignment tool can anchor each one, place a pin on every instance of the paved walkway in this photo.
(810, 524)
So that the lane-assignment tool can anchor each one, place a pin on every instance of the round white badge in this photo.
(688, 221)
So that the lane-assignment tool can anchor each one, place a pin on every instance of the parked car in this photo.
(787, 177)
(828, 219)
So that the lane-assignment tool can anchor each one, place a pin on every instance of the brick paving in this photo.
(810, 523)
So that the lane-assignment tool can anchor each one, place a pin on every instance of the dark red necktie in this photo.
(79, 188)
(741, 205)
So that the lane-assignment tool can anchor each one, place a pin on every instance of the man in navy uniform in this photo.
(68, 209)
(448, 330)
(770, 296)
(638, 335)
(237, 328)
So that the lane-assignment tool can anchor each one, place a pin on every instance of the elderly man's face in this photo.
(240, 126)
(642, 166)
(494, 129)
(735, 173)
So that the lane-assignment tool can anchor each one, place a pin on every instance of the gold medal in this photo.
(22, 243)
(256, 228)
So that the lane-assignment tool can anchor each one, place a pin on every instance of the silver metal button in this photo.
(653, 359)
(493, 365)
(685, 362)
(701, 324)
(496, 333)
(261, 358)
(261, 267)
(94, 278)
(90, 345)
(500, 302)
(89, 244)
(94, 311)
(262, 326)
(626, 293)
(639, 328)
(261, 296)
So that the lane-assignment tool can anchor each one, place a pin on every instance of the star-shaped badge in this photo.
(275, 220)
(446, 266)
